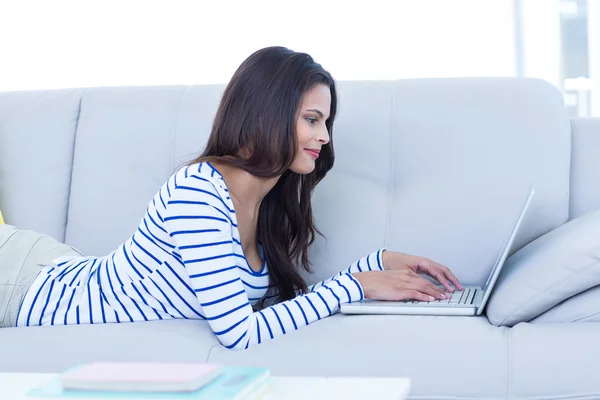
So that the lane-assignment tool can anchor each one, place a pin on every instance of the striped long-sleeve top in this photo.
(185, 260)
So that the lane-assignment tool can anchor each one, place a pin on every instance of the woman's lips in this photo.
(313, 153)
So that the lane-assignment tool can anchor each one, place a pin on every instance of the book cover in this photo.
(237, 383)
(139, 377)
(233, 383)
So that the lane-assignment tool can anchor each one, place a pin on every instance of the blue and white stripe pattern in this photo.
(184, 261)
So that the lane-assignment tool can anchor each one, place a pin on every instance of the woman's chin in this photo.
(303, 168)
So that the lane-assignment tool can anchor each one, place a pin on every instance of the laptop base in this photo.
(437, 307)
(401, 309)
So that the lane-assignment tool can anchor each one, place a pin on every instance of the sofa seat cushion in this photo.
(554, 361)
(56, 348)
(554, 267)
(418, 347)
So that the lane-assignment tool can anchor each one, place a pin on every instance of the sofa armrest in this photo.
(585, 166)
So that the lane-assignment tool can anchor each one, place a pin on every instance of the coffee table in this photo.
(14, 386)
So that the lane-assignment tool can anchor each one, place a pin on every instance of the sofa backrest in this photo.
(37, 134)
(585, 166)
(435, 167)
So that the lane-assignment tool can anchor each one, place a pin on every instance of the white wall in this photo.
(71, 43)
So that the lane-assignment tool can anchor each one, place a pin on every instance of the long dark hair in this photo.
(255, 130)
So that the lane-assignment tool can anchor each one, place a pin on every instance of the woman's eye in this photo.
(312, 121)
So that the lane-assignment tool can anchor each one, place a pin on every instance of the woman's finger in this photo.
(431, 284)
(436, 268)
(415, 295)
(425, 286)
(436, 271)
(450, 276)
(441, 278)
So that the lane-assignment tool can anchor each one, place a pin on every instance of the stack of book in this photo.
(159, 380)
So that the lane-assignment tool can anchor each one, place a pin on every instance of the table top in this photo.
(15, 386)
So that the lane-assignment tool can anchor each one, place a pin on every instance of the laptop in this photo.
(467, 302)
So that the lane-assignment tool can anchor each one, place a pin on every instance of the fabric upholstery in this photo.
(553, 268)
(196, 112)
(553, 361)
(583, 307)
(463, 155)
(37, 134)
(122, 157)
(56, 348)
(585, 166)
(422, 348)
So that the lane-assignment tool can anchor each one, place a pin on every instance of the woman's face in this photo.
(311, 131)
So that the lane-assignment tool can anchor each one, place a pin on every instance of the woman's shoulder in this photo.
(201, 175)
(197, 180)
(196, 191)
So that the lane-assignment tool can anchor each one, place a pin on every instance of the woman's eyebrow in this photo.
(316, 111)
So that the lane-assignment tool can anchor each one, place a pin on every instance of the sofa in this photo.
(433, 167)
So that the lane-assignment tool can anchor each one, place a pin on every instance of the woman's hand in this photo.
(400, 284)
(400, 279)
(394, 261)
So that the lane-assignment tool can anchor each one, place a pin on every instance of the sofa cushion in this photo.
(583, 307)
(56, 348)
(122, 157)
(584, 191)
(37, 135)
(553, 361)
(554, 267)
(464, 153)
(431, 351)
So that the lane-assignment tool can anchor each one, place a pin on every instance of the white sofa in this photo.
(430, 167)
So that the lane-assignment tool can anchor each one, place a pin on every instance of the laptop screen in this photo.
(491, 281)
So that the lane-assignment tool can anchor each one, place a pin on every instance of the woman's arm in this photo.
(198, 221)
(372, 262)
(397, 279)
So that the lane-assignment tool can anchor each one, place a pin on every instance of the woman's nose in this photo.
(324, 139)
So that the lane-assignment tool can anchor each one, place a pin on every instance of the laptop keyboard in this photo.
(465, 296)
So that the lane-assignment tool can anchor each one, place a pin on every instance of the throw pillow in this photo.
(552, 268)
(583, 307)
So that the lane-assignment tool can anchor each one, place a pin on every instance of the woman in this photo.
(224, 235)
